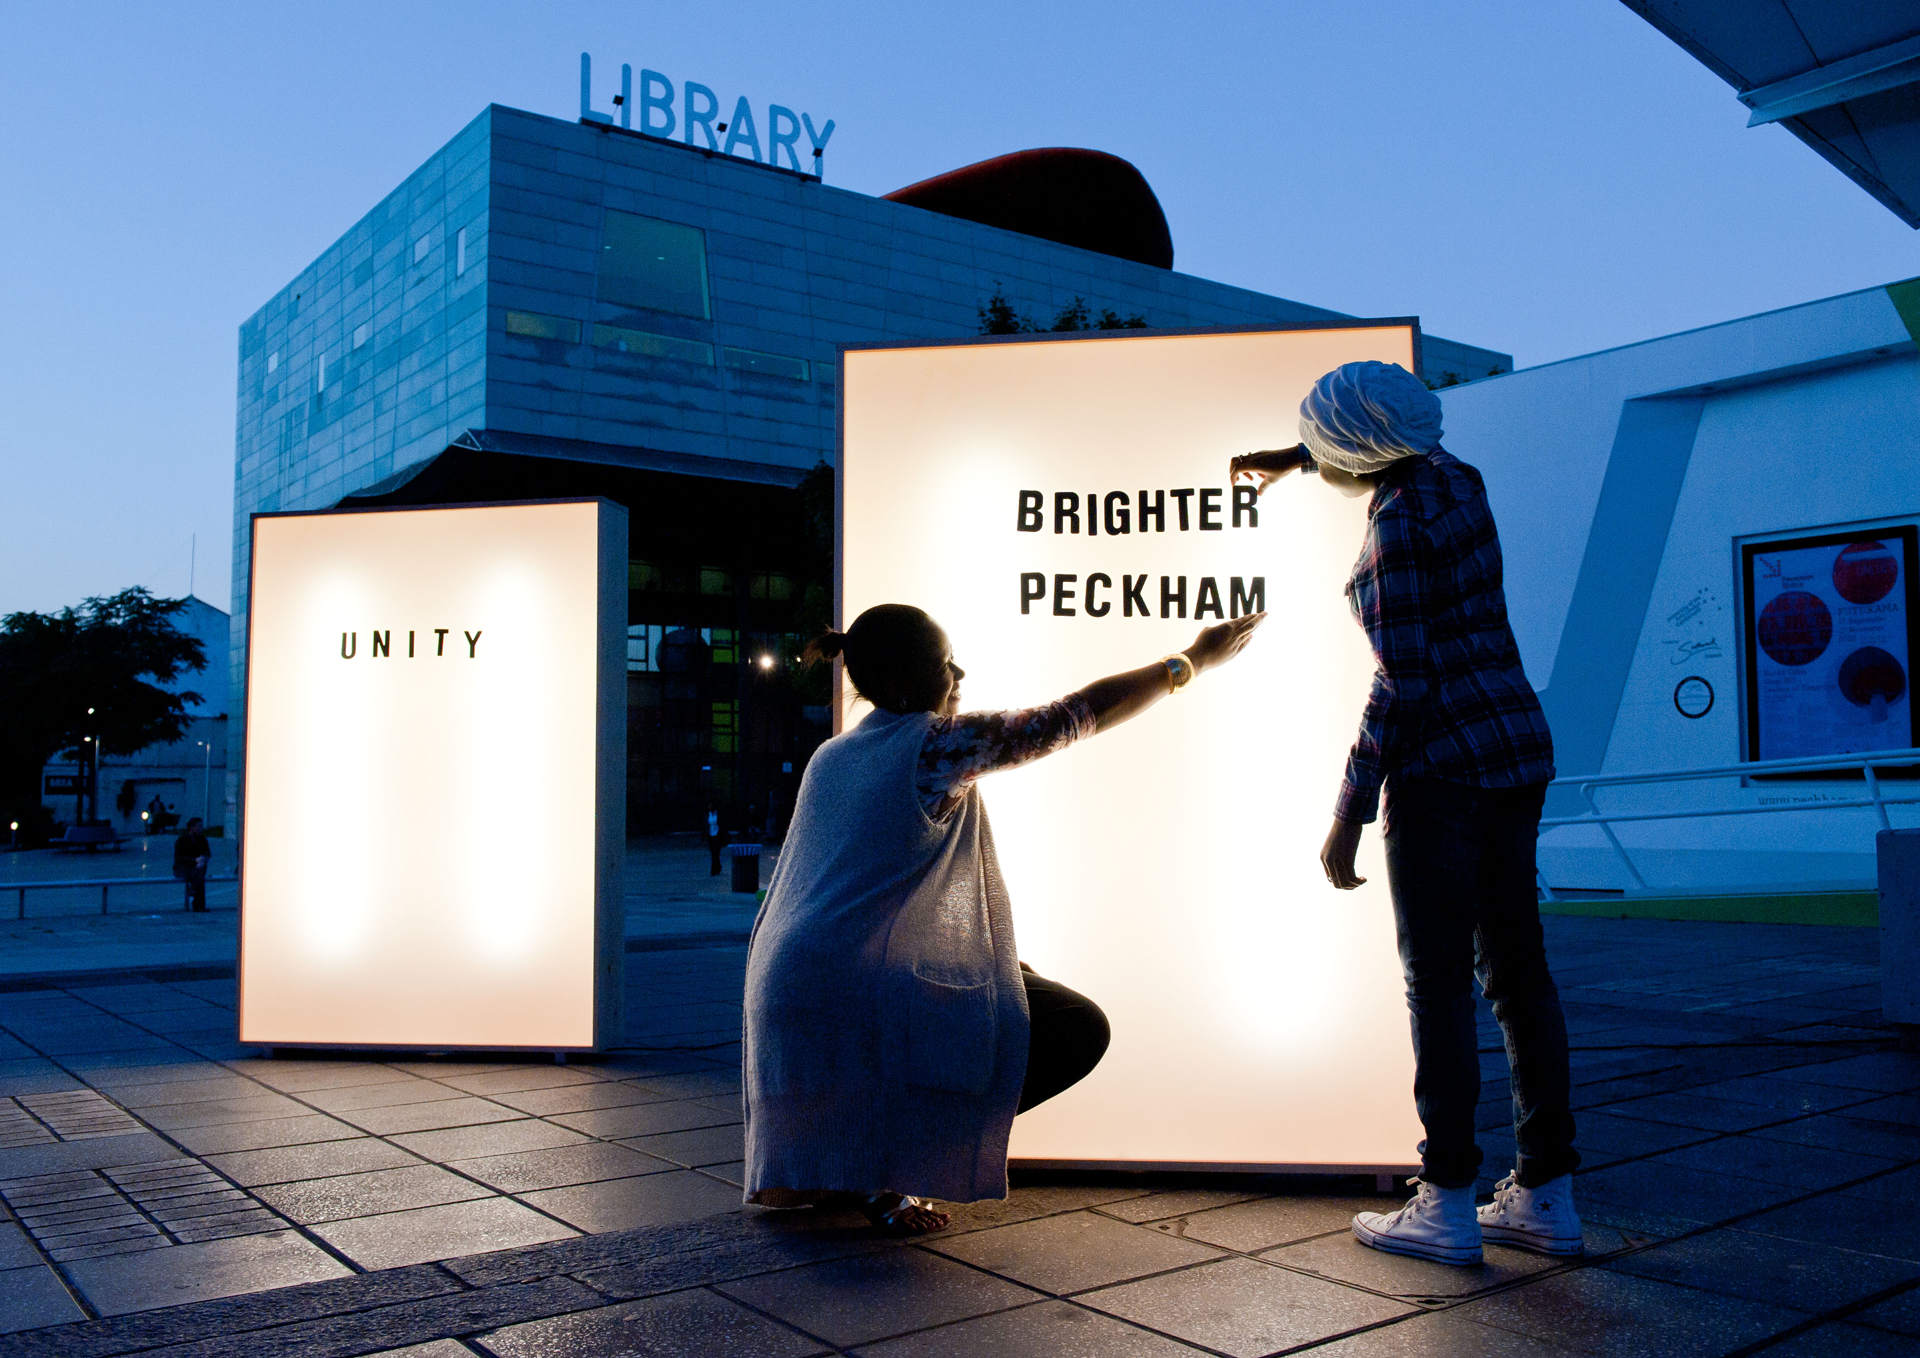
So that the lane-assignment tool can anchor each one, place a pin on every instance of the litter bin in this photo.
(746, 866)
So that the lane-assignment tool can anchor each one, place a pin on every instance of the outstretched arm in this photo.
(1120, 696)
(1269, 465)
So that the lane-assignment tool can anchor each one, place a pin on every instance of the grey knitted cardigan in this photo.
(886, 1022)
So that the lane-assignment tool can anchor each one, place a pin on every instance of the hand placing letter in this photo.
(1269, 465)
(1220, 643)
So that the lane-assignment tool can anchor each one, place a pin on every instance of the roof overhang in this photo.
(1842, 76)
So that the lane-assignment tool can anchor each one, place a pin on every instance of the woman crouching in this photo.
(891, 1030)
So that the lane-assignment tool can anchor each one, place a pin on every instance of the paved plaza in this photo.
(1753, 1170)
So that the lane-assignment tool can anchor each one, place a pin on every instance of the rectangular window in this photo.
(772, 585)
(653, 346)
(774, 365)
(639, 649)
(662, 266)
(273, 360)
(420, 248)
(460, 253)
(362, 333)
(713, 580)
(536, 326)
(320, 377)
(827, 373)
(726, 725)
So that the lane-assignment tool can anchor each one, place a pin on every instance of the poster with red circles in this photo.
(1829, 642)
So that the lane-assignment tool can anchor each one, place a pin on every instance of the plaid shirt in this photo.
(1449, 698)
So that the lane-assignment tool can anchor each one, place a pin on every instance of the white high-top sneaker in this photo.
(1439, 1224)
(1539, 1219)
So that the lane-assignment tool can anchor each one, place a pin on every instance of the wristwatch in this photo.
(1180, 671)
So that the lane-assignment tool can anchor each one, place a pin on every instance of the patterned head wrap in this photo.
(1363, 416)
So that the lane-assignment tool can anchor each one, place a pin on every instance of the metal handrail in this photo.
(1865, 764)
(106, 885)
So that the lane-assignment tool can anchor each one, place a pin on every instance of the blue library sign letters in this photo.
(699, 107)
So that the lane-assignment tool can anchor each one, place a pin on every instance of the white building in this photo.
(1627, 485)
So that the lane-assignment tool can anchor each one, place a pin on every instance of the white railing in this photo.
(1863, 764)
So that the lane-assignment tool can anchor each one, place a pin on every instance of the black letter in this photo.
(1093, 513)
(1182, 496)
(1209, 598)
(1117, 525)
(1098, 610)
(1168, 598)
(1254, 601)
(1066, 505)
(1031, 519)
(409, 645)
(1246, 499)
(440, 647)
(382, 644)
(349, 645)
(1033, 585)
(1133, 595)
(1210, 505)
(1158, 509)
(473, 640)
(1061, 593)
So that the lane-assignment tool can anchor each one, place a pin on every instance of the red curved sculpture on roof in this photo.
(1058, 193)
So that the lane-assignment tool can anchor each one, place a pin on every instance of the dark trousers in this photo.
(714, 844)
(196, 887)
(1067, 1038)
(1460, 862)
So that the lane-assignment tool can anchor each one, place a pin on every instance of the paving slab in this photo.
(1598, 1310)
(285, 1164)
(692, 1324)
(444, 1232)
(648, 1200)
(360, 1195)
(856, 1301)
(1073, 1252)
(1244, 1308)
(1249, 1227)
(195, 1272)
(561, 1166)
(492, 1138)
(1050, 1329)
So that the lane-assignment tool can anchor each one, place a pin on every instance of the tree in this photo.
(998, 317)
(110, 655)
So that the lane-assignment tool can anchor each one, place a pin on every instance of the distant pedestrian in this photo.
(1455, 733)
(191, 854)
(715, 840)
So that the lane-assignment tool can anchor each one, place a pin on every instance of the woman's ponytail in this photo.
(829, 645)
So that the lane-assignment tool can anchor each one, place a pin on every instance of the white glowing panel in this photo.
(435, 778)
(1169, 868)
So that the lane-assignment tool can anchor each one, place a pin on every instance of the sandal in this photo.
(898, 1214)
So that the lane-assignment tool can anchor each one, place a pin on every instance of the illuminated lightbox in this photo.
(1063, 508)
(435, 778)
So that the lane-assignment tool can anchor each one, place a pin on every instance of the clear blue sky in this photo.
(1546, 179)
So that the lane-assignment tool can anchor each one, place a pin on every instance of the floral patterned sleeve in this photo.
(963, 748)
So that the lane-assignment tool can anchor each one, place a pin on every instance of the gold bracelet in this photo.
(1180, 671)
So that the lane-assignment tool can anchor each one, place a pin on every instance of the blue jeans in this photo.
(1460, 862)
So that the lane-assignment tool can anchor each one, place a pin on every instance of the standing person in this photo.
(715, 840)
(1455, 733)
(892, 1032)
(191, 854)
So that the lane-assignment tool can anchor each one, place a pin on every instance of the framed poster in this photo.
(436, 778)
(1062, 507)
(1828, 634)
